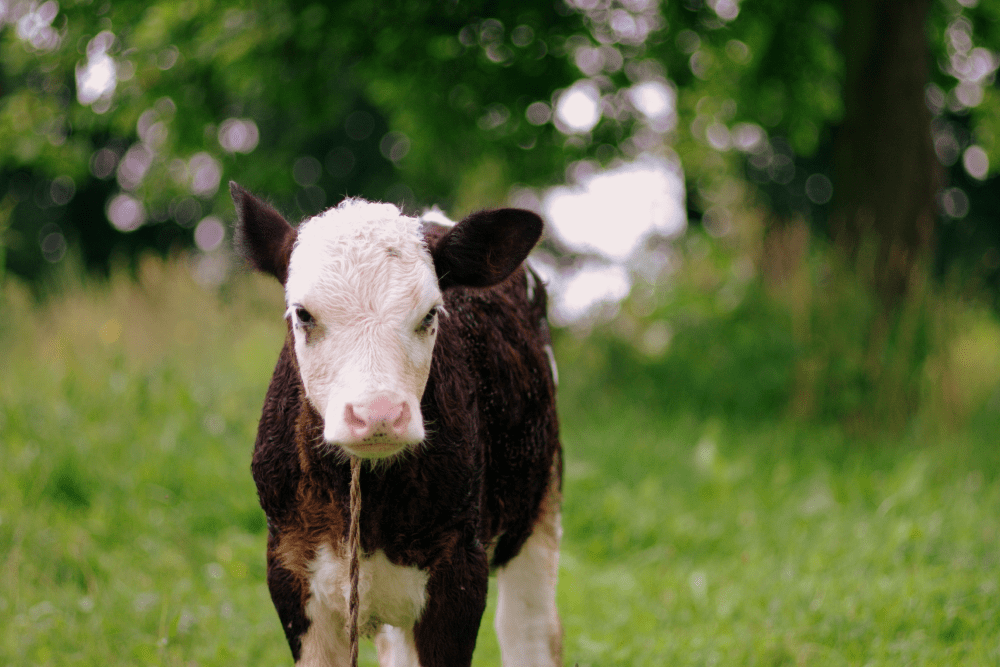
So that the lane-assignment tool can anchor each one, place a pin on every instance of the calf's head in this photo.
(364, 294)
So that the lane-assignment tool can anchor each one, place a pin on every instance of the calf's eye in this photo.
(428, 319)
(304, 316)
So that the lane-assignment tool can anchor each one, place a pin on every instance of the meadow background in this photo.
(131, 534)
(779, 372)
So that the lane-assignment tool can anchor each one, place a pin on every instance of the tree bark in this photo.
(886, 173)
(886, 177)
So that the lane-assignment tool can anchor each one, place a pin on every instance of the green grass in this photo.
(130, 532)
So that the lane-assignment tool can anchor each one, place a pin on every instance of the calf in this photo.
(422, 350)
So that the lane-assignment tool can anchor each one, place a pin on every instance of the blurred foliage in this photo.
(456, 103)
(419, 103)
(779, 67)
(730, 333)
(322, 85)
(745, 360)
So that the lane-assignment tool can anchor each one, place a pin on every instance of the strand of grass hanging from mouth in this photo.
(354, 539)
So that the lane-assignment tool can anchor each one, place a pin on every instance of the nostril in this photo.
(402, 421)
(352, 418)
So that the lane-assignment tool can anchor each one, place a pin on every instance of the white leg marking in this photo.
(527, 622)
(326, 642)
(388, 594)
(396, 648)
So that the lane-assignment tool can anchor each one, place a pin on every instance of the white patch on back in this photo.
(435, 214)
(552, 364)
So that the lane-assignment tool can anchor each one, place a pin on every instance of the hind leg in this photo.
(396, 648)
(527, 623)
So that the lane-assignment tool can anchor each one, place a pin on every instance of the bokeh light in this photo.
(209, 233)
(62, 190)
(657, 101)
(205, 174)
(954, 202)
(126, 213)
(97, 79)
(538, 113)
(52, 243)
(748, 137)
(819, 189)
(611, 212)
(587, 288)
(579, 108)
(394, 146)
(133, 166)
(727, 10)
(238, 135)
(307, 170)
(35, 26)
(103, 163)
(976, 162)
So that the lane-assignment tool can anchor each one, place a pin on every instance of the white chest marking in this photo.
(387, 593)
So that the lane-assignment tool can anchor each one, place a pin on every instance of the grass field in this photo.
(130, 532)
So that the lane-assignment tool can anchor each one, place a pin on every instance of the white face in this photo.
(363, 299)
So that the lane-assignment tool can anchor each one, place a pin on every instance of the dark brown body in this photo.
(463, 501)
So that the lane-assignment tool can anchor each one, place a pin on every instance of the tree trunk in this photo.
(886, 176)
(886, 172)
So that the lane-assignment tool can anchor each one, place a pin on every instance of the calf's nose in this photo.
(380, 416)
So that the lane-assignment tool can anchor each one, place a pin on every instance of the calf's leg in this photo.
(527, 623)
(445, 635)
(396, 648)
(288, 594)
(326, 643)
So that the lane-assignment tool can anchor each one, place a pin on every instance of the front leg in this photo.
(288, 592)
(445, 635)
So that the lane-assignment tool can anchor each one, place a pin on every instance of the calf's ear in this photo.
(262, 235)
(486, 247)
